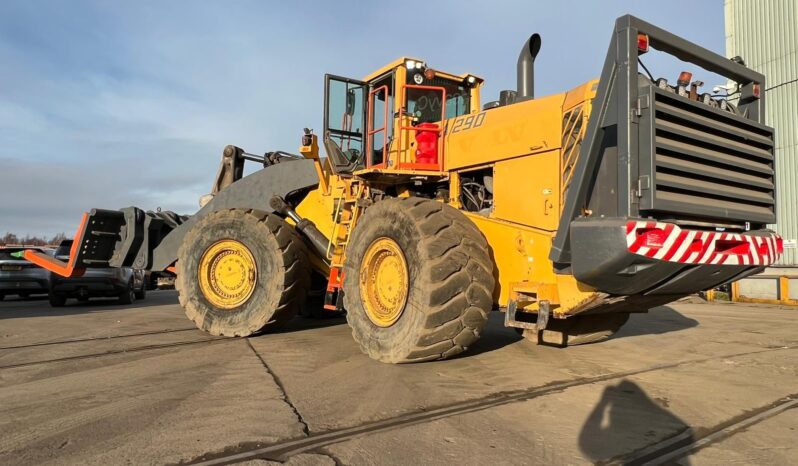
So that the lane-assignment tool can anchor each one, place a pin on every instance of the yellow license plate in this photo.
(11, 268)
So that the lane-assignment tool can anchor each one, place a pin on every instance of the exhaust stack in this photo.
(526, 68)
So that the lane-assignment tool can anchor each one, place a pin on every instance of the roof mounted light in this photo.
(471, 80)
(410, 64)
(684, 78)
(642, 43)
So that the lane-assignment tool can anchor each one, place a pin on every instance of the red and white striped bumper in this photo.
(669, 242)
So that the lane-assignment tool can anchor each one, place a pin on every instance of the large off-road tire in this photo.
(581, 330)
(277, 280)
(449, 286)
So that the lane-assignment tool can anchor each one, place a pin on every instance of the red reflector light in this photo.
(642, 43)
(652, 237)
(779, 245)
(732, 247)
(696, 246)
(755, 90)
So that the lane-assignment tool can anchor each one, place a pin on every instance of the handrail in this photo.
(371, 132)
(440, 130)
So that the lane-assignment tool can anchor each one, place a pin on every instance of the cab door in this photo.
(345, 122)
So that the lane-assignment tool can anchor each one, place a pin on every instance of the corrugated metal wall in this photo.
(765, 34)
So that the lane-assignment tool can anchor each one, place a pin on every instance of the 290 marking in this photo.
(465, 123)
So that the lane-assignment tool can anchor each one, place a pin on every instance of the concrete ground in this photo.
(109, 384)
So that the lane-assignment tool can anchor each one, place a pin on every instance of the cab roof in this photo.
(401, 61)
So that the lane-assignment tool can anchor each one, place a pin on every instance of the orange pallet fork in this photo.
(93, 246)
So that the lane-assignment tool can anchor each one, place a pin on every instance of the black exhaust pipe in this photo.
(526, 68)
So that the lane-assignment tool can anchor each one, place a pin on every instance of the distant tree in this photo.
(58, 238)
(31, 240)
(10, 238)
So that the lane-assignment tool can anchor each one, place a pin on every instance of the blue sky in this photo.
(110, 104)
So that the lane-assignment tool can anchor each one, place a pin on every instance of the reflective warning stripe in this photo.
(700, 247)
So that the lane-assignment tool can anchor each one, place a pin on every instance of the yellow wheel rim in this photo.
(227, 274)
(384, 282)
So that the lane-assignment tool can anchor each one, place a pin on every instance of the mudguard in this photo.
(251, 192)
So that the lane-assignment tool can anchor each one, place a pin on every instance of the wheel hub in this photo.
(384, 282)
(227, 274)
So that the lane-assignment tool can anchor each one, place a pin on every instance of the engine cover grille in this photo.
(700, 162)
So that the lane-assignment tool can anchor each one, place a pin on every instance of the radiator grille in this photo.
(710, 163)
(574, 124)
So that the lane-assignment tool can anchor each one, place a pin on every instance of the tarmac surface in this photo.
(100, 383)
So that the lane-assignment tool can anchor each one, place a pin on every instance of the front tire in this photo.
(240, 272)
(418, 281)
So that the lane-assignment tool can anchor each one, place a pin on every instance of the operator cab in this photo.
(393, 122)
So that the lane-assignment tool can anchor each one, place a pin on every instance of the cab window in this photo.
(345, 116)
(426, 104)
(381, 101)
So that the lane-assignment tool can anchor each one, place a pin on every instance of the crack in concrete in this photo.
(286, 398)
(282, 450)
(324, 451)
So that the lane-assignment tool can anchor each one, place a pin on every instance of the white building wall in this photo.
(765, 34)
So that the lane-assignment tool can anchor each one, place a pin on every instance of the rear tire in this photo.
(57, 300)
(449, 287)
(282, 274)
(582, 330)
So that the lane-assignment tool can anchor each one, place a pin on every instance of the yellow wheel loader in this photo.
(430, 209)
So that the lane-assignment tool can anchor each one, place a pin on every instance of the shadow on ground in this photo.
(301, 323)
(658, 321)
(663, 319)
(626, 420)
(495, 336)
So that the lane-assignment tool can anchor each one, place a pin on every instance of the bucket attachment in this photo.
(111, 238)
